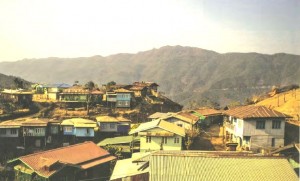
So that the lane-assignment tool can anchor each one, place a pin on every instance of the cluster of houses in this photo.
(39, 132)
(120, 96)
(152, 150)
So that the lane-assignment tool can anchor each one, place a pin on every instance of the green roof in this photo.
(117, 140)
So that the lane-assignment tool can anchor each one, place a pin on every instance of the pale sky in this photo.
(83, 28)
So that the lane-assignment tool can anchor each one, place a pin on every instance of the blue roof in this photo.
(60, 85)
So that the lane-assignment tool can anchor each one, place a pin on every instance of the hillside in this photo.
(286, 102)
(9, 82)
(183, 73)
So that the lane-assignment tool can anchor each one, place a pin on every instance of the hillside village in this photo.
(134, 132)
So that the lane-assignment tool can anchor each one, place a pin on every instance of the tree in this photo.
(19, 83)
(90, 85)
(111, 83)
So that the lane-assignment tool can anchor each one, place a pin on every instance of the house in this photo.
(131, 169)
(139, 91)
(10, 133)
(34, 132)
(79, 93)
(10, 129)
(159, 135)
(20, 96)
(182, 119)
(110, 98)
(212, 165)
(123, 98)
(255, 127)
(209, 116)
(113, 124)
(78, 127)
(151, 87)
(52, 90)
(82, 161)
(126, 144)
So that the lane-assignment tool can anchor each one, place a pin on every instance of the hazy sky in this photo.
(63, 28)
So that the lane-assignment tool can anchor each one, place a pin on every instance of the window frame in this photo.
(260, 124)
(276, 124)
(148, 139)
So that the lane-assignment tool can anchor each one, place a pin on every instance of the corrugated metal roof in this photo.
(251, 111)
(111, 119)
(126, 168)
(173, 128)
(11, 124)
(208, 111)
(79, 122)
(193, 167)
(118, 140)
(83, 155)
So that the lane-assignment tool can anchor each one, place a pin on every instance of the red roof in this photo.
(83, 155)
(255, 112)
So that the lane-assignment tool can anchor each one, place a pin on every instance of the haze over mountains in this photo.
(183, 73)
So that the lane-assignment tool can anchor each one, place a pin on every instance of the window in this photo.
(13, 131)
(179, 125)
(176, 140)
(273, 142)
(276, 124)
(165, 140)
(148, 139)
(103, 125)
(68, 129)
(2, 131)
(112, 125)
(260, 124)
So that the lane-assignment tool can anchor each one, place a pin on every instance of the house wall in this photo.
(250, 128)
(156, 143)
(108, 127)
(34, 131)
(84, 132)
(52, 95)
(74, 97)
(259, 138)
(9, 132)
(123, 103)
(68, 130)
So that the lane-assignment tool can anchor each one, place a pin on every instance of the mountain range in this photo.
(185, 74)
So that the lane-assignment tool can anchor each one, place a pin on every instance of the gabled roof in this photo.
(208, 111)
(76, 89)
(126, 168)
(138, 88)
(11, 124)
(122, 90)
(170, 127)
(161, 115)
(84, 155)
(16, 91)
(246, 112)
(187, 117)
(79, 122)
(118, 140)
(198, 165)
(35, 122)
(111, 119)
(59, 85)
